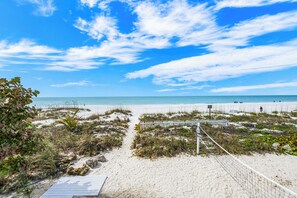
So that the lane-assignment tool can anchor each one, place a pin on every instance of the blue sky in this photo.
(150, 48)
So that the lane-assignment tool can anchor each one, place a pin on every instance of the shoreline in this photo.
(223, 107)
(161, 100)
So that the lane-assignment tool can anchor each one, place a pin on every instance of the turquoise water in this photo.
(45, 101)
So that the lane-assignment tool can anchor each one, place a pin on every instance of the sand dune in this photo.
(184, 176)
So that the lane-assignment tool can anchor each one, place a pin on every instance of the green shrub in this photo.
(91, 146)
(153, 147)
(294, 113)
(42, 164)
(70, 122)
(119, 110)
(17, 137)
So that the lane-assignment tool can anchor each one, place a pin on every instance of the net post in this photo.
(198, 137)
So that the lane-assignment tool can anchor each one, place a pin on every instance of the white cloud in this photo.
(44, 7)
(223, 65)
(175, 18)
(247, 3)
(81, 83)
(105, 51)
(228, 61)
(241, 33)
(100, 27)
(90, 3)
(26, 52)
(103, 4)
(194, 87)
(26, 47)
(123, 48)
(161, 26)
(158, 23)
(165, 90)
(191, 87)
(253, 87)
(71, 65)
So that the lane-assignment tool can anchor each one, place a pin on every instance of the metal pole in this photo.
(198, 137)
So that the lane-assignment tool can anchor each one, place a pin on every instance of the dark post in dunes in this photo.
(209, 109)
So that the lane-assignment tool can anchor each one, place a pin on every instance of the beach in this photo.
(185, 175)
(148, 99)
(268, 107)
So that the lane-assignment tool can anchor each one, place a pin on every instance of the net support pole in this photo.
(198, 137)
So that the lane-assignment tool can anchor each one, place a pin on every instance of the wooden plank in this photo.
(68, 187)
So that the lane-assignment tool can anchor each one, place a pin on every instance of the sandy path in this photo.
(183, 176)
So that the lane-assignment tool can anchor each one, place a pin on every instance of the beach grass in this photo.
(67, 138)
(247, 133)
(164, 141)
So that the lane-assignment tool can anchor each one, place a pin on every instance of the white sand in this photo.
(224, 107)
(186, 176)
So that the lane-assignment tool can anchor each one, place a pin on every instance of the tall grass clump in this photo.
(70, 122)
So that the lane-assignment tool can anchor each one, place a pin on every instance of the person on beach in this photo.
(261, 109)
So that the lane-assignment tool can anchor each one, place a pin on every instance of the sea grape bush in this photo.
(16, 133)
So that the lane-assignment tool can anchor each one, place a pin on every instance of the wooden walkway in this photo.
(78, 186)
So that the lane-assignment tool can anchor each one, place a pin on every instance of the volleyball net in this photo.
(254, 182)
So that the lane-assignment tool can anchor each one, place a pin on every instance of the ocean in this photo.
(64, 101)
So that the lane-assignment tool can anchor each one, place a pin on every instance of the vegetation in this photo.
(120, 111)
(32, 151)
(294, 113)
(70, 122)
(172, 116)
(57, 113)
(169, 142)
(18, 138)
(248, 133)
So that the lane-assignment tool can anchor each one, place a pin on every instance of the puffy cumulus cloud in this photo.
(255, 87)
(223, 65)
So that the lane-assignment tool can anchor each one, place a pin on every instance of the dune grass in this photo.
(248, 133)
(169, 142)
(64, 141)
